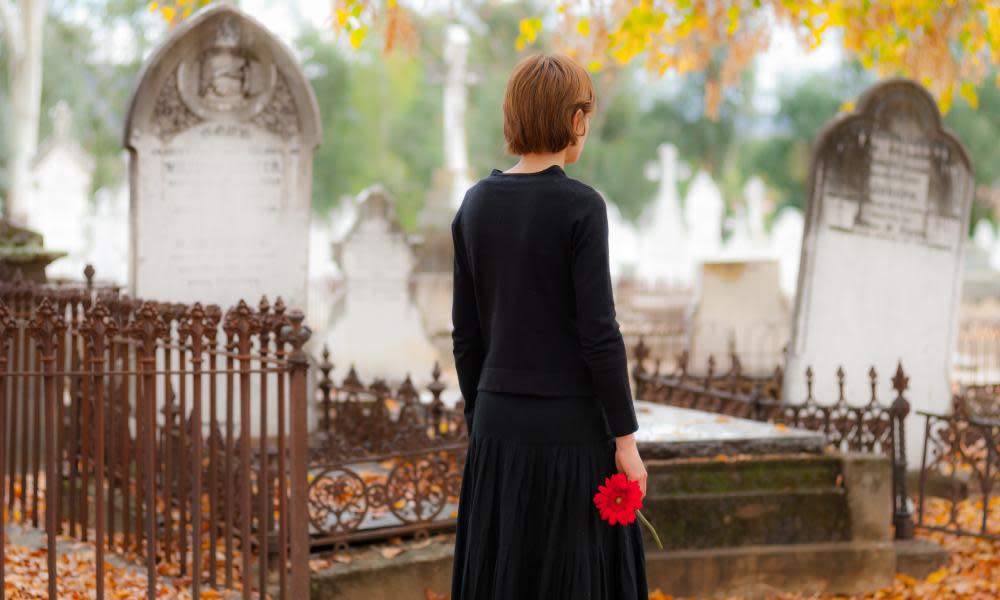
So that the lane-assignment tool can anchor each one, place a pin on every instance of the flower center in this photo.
(618, 500)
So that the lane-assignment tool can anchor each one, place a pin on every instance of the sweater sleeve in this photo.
(466, 334)
(600, 337)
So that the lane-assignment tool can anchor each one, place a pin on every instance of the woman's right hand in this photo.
(628, 461)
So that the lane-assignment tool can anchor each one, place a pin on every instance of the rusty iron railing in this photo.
(163, 431)
(964, 451)
(384, 462)
(872, 427)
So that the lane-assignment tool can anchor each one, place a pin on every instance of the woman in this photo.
(541, 364)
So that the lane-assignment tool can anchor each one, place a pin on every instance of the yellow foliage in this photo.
(949, 46)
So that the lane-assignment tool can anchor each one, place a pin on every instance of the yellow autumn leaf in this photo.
(968, 92)
(595, 66)
(937, 576)
(168, 13)
(529, 28)
(358, 36)
(944, 101)
(733, 13)
(153, 7)
(583, 26)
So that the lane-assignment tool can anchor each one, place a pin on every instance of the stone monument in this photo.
(60, 208)
(433, 272)
(221, 131)
(379, 330)
(739, 308)
(704, 209)
(887, 217)
(663, 254)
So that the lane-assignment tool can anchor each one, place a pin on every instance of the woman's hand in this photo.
(628, 461)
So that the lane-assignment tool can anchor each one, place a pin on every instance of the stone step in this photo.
(761, 500)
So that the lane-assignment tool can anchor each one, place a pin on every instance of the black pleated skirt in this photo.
(527, 525)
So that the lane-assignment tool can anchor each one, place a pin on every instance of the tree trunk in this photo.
(25, 68)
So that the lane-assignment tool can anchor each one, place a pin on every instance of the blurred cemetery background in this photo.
(226, 249)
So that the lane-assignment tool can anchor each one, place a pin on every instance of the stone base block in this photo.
(919, 558)
(748, 572)
(757, 572)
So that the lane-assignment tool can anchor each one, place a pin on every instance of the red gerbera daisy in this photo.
(618, 499)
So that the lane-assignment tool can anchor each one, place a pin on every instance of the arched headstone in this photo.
(221, 131)
(887, 217)
(378, 312)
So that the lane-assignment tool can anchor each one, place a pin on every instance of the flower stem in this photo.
(652, 530)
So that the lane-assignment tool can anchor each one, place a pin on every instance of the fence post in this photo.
(97, 328)
(192, 329)
(902, 517)
(297, 335)
(46, 327)
(326, 387)
(147, 328)
(7, 328)
(641, 352)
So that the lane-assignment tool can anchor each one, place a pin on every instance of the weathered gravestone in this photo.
(221, 131)
(740, 309)
(880, 273)
(379, 329)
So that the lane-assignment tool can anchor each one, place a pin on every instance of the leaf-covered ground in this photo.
(26, 576)
(973, 572)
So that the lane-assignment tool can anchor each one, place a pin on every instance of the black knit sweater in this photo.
(533, 310)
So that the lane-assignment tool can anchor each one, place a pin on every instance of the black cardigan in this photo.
(533, 311)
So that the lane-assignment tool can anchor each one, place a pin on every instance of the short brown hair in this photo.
(543, 94)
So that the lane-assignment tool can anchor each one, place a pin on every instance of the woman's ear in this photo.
(579, 123)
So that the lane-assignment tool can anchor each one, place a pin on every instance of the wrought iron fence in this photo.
(385, 461)
(131, 424)
(965, 451)
(872, 427)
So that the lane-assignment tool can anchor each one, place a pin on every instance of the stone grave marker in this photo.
(379, 329)
(740, 308)
(221, 131)
(887, 218)
(60, 207)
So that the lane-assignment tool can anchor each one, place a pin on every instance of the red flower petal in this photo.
(618, 499)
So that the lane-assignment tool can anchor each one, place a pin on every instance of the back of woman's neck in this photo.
(534, 163)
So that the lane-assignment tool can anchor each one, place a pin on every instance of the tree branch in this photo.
(12, 28)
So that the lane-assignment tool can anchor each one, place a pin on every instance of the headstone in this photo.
(379, 331)
(886, 223)
(221, 131)
(663, 251)
(703, 212)
(739, 308)
(432, 279)
(60, 208)
(453, 178)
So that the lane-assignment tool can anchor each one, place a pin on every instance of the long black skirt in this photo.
(527, 525)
